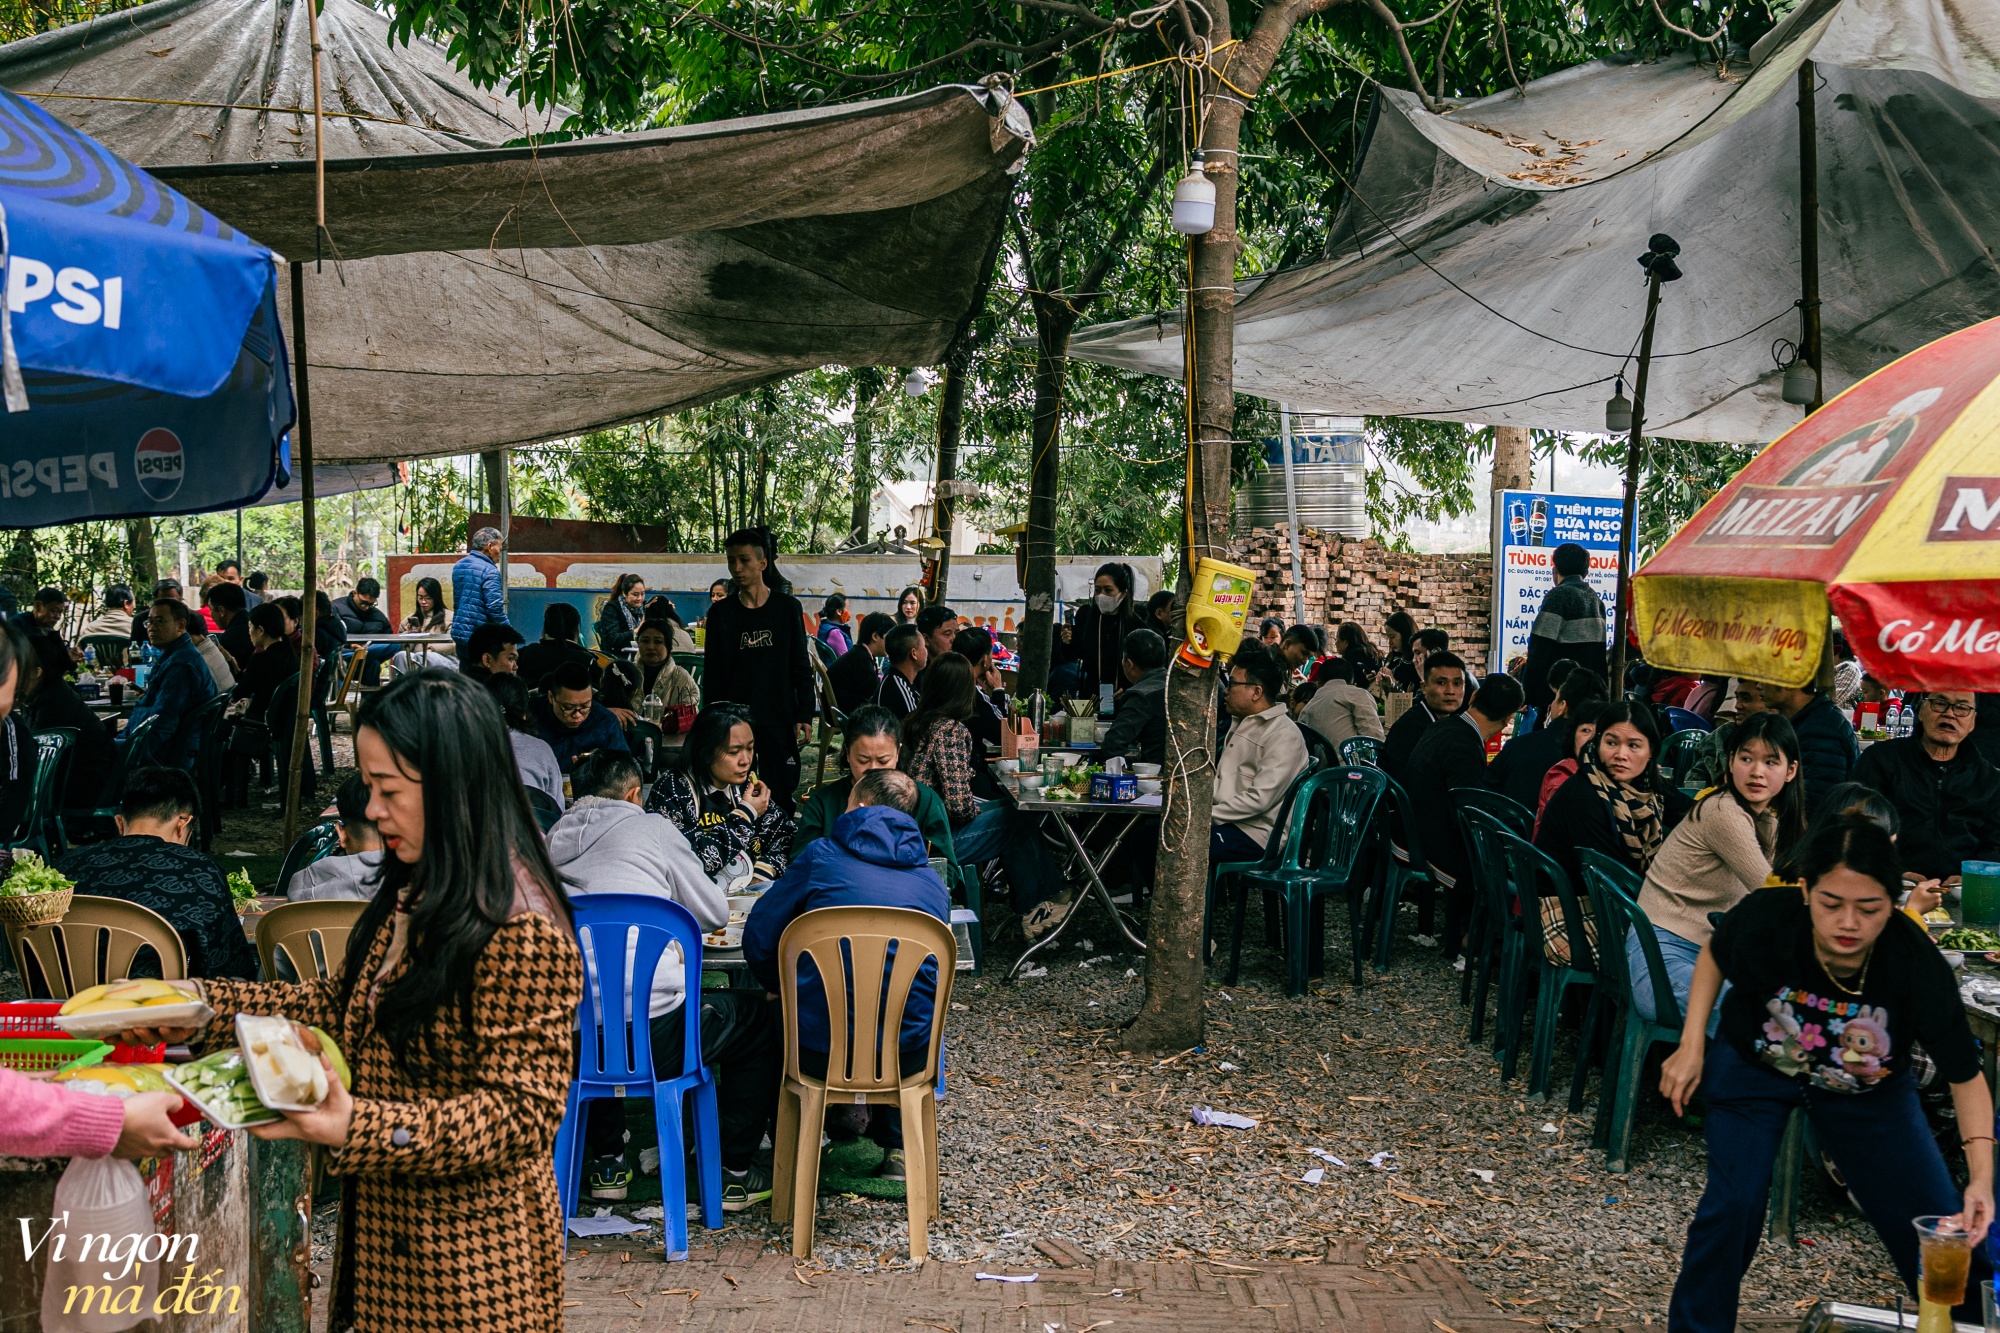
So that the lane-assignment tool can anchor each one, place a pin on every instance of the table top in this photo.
(1041, 805)
(399, 638)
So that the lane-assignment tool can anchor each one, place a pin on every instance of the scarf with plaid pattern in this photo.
(1635, 813)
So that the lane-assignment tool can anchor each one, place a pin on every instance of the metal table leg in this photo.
(1095, 885)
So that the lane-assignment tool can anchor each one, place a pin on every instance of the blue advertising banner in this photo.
(1528, 526)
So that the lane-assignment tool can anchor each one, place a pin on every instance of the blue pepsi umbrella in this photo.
(141, 357)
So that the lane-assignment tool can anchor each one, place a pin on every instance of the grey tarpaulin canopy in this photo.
(490, 295)
(1536, 206)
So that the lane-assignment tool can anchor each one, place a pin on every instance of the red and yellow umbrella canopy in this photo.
(1883, 508)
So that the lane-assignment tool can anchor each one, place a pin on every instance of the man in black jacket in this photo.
(1452, 753)
(853, 676)
(1443, 695)
(975, 645)
(361, 613)
(1570, 623)
(1947, 796)
(1827, 748)
(1139, 727)
(907, 658)
(1519, 768)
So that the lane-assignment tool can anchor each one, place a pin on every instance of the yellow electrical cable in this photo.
(1130, 69)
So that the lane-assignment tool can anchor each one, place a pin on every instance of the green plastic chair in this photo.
(1518, 819)
(1678, 752)
(1322, 750)
(114, 787)
(1357, 751)
(211, 765)
(1404, 864)
(1498, 951)
(1222, 872)
(1619, 913)
(315, 844)
(1539, 879)
(1330, 835)
(41, 828)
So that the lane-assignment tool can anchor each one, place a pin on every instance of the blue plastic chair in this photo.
(615, 1051)
(1684, 719)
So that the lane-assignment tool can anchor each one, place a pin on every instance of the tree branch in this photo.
(1388, 16)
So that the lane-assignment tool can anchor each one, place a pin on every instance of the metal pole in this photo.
(1292, 515)
(1635, 449)
(239, 543)
(1809, 231)
(506, 521)
(308, 617)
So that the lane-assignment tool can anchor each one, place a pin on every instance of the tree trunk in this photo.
(494, 463)
(944, 503)
(145, 558)
(1053, 323)
(864, 466)
(1513, 459)
(1171, 1017)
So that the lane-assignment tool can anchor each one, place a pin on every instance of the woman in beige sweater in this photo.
(1721, 851)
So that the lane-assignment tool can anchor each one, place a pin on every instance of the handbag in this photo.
(1555, 933)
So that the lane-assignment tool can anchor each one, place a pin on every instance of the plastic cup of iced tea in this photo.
(1945, 1259)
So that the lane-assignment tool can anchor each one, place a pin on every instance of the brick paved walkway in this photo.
(743, 1287)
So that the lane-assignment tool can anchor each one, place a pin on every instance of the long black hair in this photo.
(948, 693)
(435, 590)
(710, 732)
(762, 540)
(479, 834)
(1789, 806)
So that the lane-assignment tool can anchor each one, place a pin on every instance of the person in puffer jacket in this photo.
(874, 858)
(607, 843)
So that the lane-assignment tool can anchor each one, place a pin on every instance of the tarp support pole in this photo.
(308, 616)
(1635, 451)
(1809, 231)
(506, 520)
(1292, 515)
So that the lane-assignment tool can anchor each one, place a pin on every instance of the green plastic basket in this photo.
(31, 1055)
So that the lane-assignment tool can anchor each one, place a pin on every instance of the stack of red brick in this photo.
(1365, 581)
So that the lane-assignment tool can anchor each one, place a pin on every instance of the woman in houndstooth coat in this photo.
(456, 1007)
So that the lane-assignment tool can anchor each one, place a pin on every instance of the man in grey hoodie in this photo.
(607, 842)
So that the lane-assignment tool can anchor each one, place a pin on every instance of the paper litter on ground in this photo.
(1003, 1277)
(1314, 1176)
(1486, 1176)
(602, 1226)
(1202, 1115)
(653, 1214)
(1384, 1161)
(1326, 1156)
(1036, 972)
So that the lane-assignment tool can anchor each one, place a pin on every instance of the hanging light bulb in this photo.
(917, 383)
(1194, 202)
(1618, 412)
(1801, 382)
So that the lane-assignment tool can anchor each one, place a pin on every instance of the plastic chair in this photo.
(852, 949)
(1498, 933)
(621, 933)
(1621, 914)
(67, 953)
(1516, 818)
(543, 806)
(112, 650)
(691, 663)
(1539, 879)
(649, 748)
(114, 787)
(315, 844)
(211, 767)
(312, 936)
(1404, 866)
(41, 826)
(1684, 719)
(1222, 871)
(1357, 751)
(1319, 748)
(1330, 832)
(1678, 751)
(1608, 1002)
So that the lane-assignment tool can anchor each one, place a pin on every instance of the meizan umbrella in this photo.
(141, 359)
(1883, 508)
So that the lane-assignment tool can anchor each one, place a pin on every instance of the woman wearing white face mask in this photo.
(1096, 642)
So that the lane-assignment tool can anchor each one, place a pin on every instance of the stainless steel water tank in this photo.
(1329, 467)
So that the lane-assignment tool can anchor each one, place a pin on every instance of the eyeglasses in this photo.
(1943, 709)
(570, 710)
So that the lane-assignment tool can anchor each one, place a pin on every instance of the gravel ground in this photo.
(1050, 1130)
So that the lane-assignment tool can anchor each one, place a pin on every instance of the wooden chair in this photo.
(311, 935)
(862, 1063)
(95, 942)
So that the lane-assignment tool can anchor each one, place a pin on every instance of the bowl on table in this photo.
(1031, 782)
(1151, 786)
(1010, 765)
(1145, 770)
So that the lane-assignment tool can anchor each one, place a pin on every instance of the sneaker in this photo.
(1042, 918)
(743, 1190)
(610, 1178)
(892, 1166)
